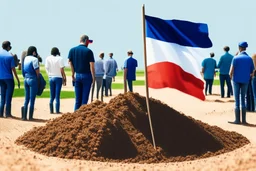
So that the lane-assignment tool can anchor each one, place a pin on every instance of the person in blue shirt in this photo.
(130, 65)
(99, 73)
(30, 71)
(224, 67)
(254, 81)
(7, 69)
(81, 60)
(241, 71)
(110, 72)
(208, 70)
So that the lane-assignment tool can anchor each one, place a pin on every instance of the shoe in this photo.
(31, 112)
(244, 116)
(24, 113)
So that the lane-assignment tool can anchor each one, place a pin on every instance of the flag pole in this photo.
(146, 76)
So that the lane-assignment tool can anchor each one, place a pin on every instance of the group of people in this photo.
(241, 70)
(85, 71)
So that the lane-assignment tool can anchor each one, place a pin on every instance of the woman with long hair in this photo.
(54, 66)
(31, 72)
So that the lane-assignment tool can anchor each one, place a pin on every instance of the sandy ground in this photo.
(13, 157)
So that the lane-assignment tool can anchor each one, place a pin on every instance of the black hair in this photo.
(226, 48)
(55, 51)
(30, 51)
(6, 44)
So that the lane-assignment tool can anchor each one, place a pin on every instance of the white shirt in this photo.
(53, 64)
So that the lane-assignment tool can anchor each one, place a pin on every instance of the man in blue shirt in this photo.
(224, 66)
(99, 73)
(130, 65)
(209, 65)
(7, 69)
(241, 71)
(110, 72)
(81, 61)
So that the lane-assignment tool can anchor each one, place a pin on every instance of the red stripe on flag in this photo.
(167, 74)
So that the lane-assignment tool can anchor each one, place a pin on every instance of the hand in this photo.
(64, 82)
(73, 78)
(93, 81)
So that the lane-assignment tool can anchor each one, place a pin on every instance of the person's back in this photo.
(29, 66)
(81, 61)
(99, 68)
(81, 56)
(243, 67)
(6, 65)
(131, 67)
(111, 67)
(225, 63)
(53, 65)
(209, 65)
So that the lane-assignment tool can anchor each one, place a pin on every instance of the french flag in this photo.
(175, 50)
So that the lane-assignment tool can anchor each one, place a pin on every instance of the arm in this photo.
(63, 76)
(220, 62)
(16, 76)
(231, 71)
(72, 70)
(92, 71)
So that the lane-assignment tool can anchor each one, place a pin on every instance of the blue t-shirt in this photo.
(209, 66)
(130, 64)
(30, 66)
(81, 56)
(6, 65)
(225, 63)
(243, 67)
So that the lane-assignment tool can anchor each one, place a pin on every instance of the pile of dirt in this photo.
(119, 131)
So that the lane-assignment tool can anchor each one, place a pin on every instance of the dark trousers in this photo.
(108, 86)
(225, 78)
(7, 88)
(83, 85)
(99, 81)
(208, 84)
(130, 85)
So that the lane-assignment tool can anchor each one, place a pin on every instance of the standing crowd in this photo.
(240, 69)
(84, 69)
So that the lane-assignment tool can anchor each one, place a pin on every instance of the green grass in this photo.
(46, 94)
(71, 94)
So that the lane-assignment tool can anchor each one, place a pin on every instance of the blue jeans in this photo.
(226, 78)
(55, 88)
(31, 86)
(83, 85)
(208, 83)
(254, 89)
(240, 88)
(130, 85)
(7, 88)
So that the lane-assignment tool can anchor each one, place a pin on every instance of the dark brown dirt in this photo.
(119, 131)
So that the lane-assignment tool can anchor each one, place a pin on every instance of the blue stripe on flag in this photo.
(184, 33)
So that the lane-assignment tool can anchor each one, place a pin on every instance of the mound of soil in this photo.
(119, 131)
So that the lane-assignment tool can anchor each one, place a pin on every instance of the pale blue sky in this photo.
(116, 25)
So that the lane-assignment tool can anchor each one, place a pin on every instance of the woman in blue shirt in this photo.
(30, 71)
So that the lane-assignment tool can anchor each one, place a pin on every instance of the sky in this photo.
(116, 25)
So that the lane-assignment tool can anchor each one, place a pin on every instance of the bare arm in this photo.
(72, 70)
(63, 76)
(92, 71)
(231, 71)
(16, 76)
